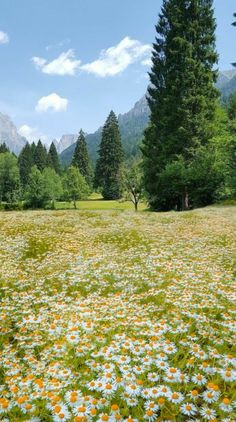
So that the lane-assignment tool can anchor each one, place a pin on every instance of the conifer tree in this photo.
(3, 148)
(81, 158)
(53, 158)
(108, 173)
(182, 95)
(25, 163)
(40, 156)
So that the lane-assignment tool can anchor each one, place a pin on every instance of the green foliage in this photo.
(81, 159)
(182, 96)
(25, 162)
(3, 148)
(36, 188)
(52, 185)
(108, 173)
(53, 158)
(231, 106)
(133, 183)
(40, 156)
(9, 178)
(75, 186)
(231, 180)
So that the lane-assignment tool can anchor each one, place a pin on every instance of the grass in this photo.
(130, 316)
(95, 202)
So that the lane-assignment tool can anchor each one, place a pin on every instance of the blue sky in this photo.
(66, 63)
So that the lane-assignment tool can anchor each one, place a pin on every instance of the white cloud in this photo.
(146, 62)
(4, 38)
(32, 134)
(51, 102)
(116, 59)
(111, 62)
(39, 62)
(65, 64)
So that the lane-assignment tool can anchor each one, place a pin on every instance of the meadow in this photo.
(118, 316)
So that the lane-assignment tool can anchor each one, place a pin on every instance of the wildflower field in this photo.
(118, 316)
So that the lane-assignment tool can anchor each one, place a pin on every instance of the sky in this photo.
(64, 64)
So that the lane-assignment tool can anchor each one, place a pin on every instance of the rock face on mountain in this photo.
(9, 134)
(225, 78)
(227, 83)
(65, 142)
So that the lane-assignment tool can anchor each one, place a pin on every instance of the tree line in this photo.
(35, 178)
(188, 150)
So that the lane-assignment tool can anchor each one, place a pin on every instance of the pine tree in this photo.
(40, 156)
(81, 158)
(3, 148)
(53, 158)
(108, 173)
(182, 96)
(25, 163)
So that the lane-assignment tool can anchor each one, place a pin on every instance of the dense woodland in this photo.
(188, 153)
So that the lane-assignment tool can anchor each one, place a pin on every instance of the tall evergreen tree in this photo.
(108, 173)
(25, 163)
(81, 158)
(182, 95)
(53, 158)
(40, 156)
(4, 148)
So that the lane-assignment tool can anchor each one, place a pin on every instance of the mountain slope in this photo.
(9, 134)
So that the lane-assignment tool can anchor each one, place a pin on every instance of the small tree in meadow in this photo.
(52, 185)
(75, 186)
(35, 191)
(133, 184)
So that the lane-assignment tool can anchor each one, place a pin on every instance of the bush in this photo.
(14, 206)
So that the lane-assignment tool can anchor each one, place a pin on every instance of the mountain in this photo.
(131, 125)
(9, 134)
(65, 142)
(227, 83)
(224, 78)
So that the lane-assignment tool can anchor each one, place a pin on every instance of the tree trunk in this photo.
(75, 204)
(136, 206)
(185, 201)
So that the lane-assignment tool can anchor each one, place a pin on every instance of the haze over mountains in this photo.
(132, 125)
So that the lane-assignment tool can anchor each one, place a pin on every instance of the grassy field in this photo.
(118, 316)
(95, 202)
